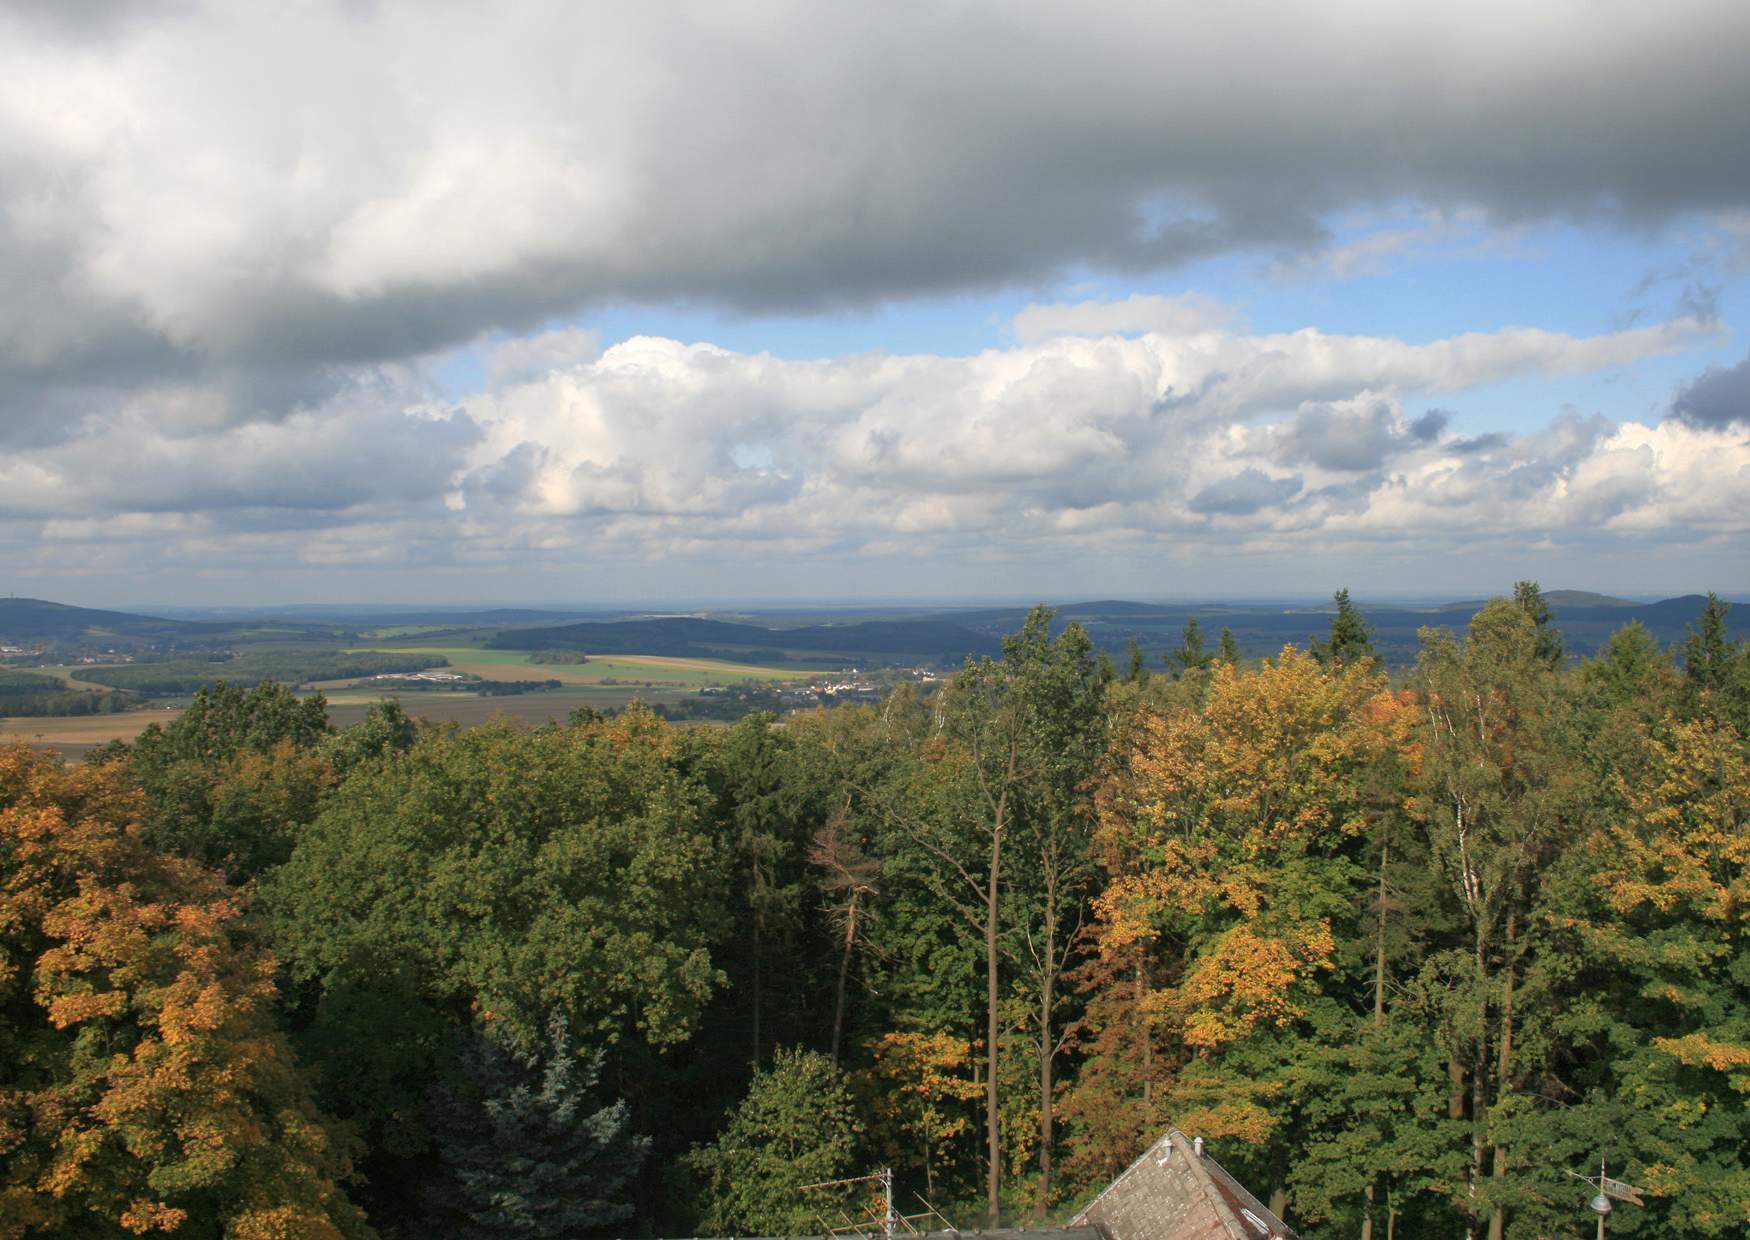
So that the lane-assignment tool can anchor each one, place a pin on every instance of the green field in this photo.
(629, 670)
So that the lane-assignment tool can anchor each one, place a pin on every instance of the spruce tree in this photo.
(525, 1154)
(1190, 656)
(1229, 651)
(1709, 652)
(1138, 669)
(1549, 638)
(1351, 636)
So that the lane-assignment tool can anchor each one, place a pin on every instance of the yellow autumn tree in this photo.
(919, 1087)
(1234, 837)
(143, 1085)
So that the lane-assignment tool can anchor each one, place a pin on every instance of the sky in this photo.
(428, 302)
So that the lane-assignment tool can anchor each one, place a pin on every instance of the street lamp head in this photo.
(1600, 1204)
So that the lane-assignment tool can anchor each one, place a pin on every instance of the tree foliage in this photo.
(143, 1084)
(525, 1154)
(796, 1127)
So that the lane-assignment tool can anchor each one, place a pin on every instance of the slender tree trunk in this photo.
(1379, 943)
(1047, 1052)
(1479, 1091)
(838, 1013)
(757, 936)
(1378, 1010)
(1504, 1071)
(1148, 1050)
(991, 1113)
(1455, 1087)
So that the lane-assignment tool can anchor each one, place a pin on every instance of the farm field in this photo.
(652, 671)
(469, 711)
(76, 735)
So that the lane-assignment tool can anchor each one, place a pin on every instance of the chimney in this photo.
(1197, 1146)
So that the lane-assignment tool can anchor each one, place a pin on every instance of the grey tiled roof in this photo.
(1174, 1193)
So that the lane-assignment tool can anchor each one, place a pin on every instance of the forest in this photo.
(1405, 947)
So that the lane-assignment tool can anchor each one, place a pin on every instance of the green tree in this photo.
(767, 808)
(1351, 636)
(1190, 655)
(525, 1154)
(1229, 650)
(1499, 794)
(497, 875)
(1549, 638)
(1136, 668)
(385, 729)
(797, 1126)
(998, 792)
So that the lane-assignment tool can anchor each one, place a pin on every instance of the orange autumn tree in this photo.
(143, 1085)
(919, 1088)
(1236, 838)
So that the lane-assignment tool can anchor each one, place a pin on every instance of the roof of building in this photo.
(1176, 1192)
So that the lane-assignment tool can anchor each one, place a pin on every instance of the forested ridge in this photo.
(1404, 949)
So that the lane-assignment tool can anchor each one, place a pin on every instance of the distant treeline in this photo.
(485, 688)
(32, 694)
(751, 643)
(285, 666)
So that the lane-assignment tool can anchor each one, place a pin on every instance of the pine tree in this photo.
(524, 1152)
(1190, 656)
(1138, 668)
(1351, 636)
(1229, 651)
(1549, 638)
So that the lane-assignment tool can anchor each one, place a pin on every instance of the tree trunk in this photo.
(838, 1013)
(1047, 1052)
(991, 1116)
(1148, 1050)
(1504, 1071)
(1455, 1087)
(1379, 945)
(1367, 1215)
(1479, 1093)
(757, 936)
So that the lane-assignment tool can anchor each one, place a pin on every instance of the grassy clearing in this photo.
(407, 630)
(68, 675)
(638, 670)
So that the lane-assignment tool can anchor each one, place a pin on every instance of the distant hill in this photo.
(33, 619)
(700, 638)
(1586, 620)
(1561, 598)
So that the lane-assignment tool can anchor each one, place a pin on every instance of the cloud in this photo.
(1244, 493)
(759, 473)
(1718, 399)
(198, 191)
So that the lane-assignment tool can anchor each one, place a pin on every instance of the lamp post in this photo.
(1607, 1189)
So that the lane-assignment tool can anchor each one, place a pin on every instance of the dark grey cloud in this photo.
(1247, 492)
(1341, 439)
(1719, 398)
(202, 186)
(1355, 436)
(1427, 428)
